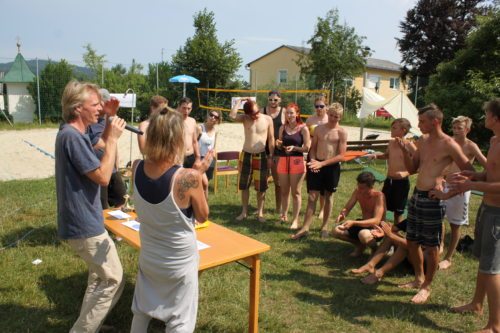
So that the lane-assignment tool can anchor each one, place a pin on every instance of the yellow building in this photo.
(279, 67)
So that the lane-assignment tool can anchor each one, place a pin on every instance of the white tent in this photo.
(399, 106)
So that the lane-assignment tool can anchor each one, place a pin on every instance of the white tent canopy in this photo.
(399, 106)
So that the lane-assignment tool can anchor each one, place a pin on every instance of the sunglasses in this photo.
(214, 116)
(273, 99)
(319, 106)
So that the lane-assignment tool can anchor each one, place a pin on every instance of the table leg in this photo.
(253, 318)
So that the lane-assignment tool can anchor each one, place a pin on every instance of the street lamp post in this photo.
(130, 90)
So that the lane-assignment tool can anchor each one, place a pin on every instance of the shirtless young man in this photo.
(312, 122)
(155, 105)
(372, 203)
(277, 113)
(487, 229)
(254, 162)
(457, 207)
(435, 151)
(192, 151)
(396, 187)
(323, 173)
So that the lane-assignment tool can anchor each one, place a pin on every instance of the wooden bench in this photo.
(377, 145)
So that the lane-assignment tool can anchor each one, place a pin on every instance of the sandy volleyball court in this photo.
(28, 154)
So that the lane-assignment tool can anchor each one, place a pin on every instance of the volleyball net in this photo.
(221, 99)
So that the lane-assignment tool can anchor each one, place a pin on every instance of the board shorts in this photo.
(327, 179)
(487, 239)
(396, 194)
(425, 218)
(253, 167)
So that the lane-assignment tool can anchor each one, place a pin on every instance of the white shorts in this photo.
(457, 209)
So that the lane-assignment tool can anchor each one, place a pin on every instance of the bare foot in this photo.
(371, 279)
(363, 269)
(410, 285)
(300, 234)
(421, 297)
(241, 217)
(356, 253)
(261, 219)
(468, 308)
(324, 234)
(445, 264)
(295, 225)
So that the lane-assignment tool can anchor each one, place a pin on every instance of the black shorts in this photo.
(402, 225)
(189, 161)
(210, 170)
(113, 194)
(425, 218)
(396, 194)
(327, 179)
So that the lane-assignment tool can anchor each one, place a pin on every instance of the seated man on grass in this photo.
(372, 203)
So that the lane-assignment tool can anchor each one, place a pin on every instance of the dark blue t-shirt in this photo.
(79, 210)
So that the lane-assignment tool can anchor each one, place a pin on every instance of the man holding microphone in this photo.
(79, 175)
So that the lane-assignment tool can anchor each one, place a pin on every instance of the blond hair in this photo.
(462, 120)
(405, 123)
(165, 137)
(337, 108)
(74, 95)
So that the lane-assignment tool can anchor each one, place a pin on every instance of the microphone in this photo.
(130, 128)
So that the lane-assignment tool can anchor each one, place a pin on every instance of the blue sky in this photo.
(123, 30)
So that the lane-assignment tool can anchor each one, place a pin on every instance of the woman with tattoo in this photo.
(167, 198)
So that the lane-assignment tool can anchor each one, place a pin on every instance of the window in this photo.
(283, 76)
(394, 83)
(373, 81)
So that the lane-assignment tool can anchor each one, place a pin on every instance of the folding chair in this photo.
(226, 169)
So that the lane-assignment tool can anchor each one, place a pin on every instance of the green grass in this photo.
(305, 285)
(350, 119)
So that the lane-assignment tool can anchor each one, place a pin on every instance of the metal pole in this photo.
(157, 83)
(416, 92)
(345, 94)
(38, 93)
(131, 119)
(184, 89)
(296, 89)
(102, 74)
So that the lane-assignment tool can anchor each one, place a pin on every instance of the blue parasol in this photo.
(184, 79)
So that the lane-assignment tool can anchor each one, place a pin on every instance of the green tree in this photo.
(461, 85)
(337, 53)
(432, 32)
(95, 62)
(53, 79)
(215, 64)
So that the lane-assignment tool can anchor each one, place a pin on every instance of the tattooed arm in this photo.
(188, 190)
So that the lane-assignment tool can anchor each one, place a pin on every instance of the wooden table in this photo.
(226, 246)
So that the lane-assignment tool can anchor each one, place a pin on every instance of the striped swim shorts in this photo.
(425, 218)
(253, 167)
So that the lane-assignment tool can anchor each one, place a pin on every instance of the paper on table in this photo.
(132, 225)
(119, 214)
(136, 226)
(202, 246)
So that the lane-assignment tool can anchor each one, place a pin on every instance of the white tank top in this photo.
(206, 142)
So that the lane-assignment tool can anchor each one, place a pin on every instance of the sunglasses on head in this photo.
(216, 116)
(273, 99)
(319, 106)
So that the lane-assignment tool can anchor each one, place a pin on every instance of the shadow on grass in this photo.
(65, 297)
(32, 236)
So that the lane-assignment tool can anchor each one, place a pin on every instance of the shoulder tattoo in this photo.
(186, 181)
